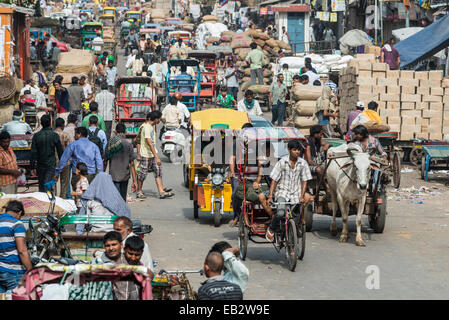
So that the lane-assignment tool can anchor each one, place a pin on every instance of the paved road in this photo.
(411, 255)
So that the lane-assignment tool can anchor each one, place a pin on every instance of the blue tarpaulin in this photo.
(425, 43)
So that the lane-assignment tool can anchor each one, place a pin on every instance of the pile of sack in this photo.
(240, 44)
(157, 15)
(76, 62)
(304, 98)
(207, 30)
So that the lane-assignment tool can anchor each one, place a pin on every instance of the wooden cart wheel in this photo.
(301, 230)
(243, 237)
(415, 156)
(377, 220)
(396, 169)
(423, 167)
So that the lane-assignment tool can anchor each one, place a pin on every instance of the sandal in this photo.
(166, 195)
(168, 189)
(269, 235)
(233, 223)
(140, 195)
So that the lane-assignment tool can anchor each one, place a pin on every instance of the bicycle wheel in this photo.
(301, 231)
(243, 237)
(291, 245)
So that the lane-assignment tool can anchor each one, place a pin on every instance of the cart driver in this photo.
(315, 154)
(289, 179)
(183, 80)
(254, 191)
(369, 144)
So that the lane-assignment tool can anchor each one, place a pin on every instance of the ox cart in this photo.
(376, 200)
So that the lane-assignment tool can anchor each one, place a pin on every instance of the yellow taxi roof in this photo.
(203, 120)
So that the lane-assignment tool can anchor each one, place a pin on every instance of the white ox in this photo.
(348, 180)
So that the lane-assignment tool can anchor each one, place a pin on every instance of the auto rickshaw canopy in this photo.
(218, 119)
(271, 133)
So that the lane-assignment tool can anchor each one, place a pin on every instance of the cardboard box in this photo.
(408, 82)
(365, 81)
(408, 90)
(422, 105)
(435, 135)
(395, 127)
(378, 74)
(389, 97)
(389, 113)
(436, 106)
(423, 90)
(422, 135)
(368, 97)
(387, 82)
(433, 83)
(365, 74)
(406, 135)
(365, 56)
(411, 113)
(446, 91)
(422, 75)
(393, 105)
(430, 98)
(393, 120)
(425, 122)
(394, 89)
(410, 97)
(373, 49)
(446, 99)
(408, 121)
(408, 105)
(366, 88)
(436, 75)
(436, 91)
(431, 114)
(407, 74)
(379, 89)
(435, 123)
(392, 74)
(378, 66)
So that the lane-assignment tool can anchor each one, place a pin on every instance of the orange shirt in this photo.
(8, 161)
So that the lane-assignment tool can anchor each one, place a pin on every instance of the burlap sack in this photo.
(306, 92)
(225, 38)
(228, 33)
(75, 61)
(267, 73)
(210, 18)
(374, 127)
(240, 41)
(282, 44)
(252, 33)
(243, 53)
(263, 36)
(304, 122)
(212, 39)
(245, 79)
(245, 85)
(305, 107)
(259, 42)
(271, 42)
(445, 83)
(262, 89)
(246, 72)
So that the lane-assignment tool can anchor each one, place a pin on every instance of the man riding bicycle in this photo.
(289, 178)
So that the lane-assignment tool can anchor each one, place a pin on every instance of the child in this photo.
(82, 184)
(225, 100)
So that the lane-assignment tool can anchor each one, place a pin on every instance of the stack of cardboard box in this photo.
(415, 104)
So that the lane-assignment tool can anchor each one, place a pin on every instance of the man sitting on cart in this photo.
(289, 178)
(315, 154)
(183, 80)
(369, 144)
(254, 191)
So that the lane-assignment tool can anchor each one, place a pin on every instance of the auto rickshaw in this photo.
(184, 35)
(90, 31)
(207, 175)
(150, 32)
(108, 21)
(109, 12)
(134, 15)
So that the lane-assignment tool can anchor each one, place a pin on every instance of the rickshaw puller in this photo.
(290, 176)
(315, 151)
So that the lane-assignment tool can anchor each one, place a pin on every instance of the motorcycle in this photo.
(130, 46)
(173, 142)
(218, 177)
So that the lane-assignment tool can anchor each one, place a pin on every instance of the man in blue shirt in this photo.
(184, 86)
(81, 150)
(93, 121)
(14, 256)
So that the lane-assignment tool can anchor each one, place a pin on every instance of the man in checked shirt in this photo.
(289, 178)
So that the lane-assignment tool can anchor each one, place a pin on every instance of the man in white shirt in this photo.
(183, 109)
(171, 116)
(180, 44)
(131, 58)
(88, 93)
(41, 105)
(312, 77)
(31, 86)
(148, 17)
(105, 101)
(124, 226)
(249, 105)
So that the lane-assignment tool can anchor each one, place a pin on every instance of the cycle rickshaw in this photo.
(254, 220)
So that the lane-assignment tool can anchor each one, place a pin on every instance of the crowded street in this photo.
(223, 151)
